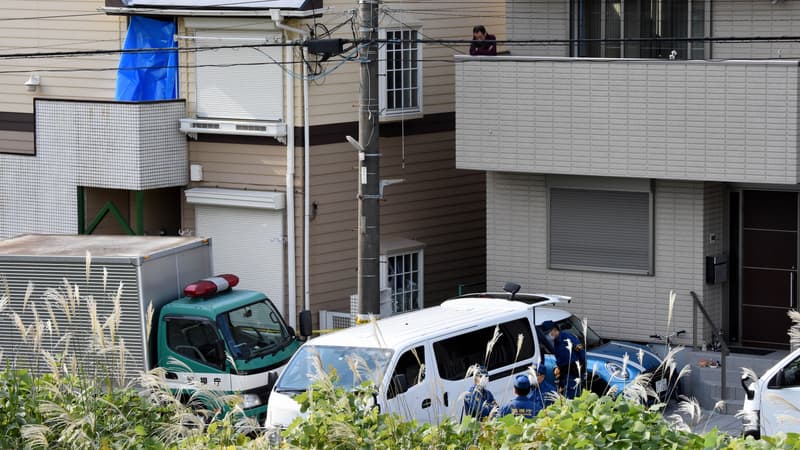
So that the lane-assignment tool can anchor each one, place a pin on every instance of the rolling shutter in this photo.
(247, 242)
(600, 230)
(239, 83)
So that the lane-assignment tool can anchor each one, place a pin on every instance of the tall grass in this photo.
(79, 396)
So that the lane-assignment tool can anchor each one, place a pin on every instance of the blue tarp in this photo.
(144, 76)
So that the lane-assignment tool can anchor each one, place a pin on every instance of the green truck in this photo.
(206, 334)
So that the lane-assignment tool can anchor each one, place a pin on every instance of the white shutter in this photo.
(239, 83)
(247, 242)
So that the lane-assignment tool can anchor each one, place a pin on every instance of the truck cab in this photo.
(224, 340)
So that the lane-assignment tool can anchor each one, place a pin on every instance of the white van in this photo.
(446, 339)
(772, 402)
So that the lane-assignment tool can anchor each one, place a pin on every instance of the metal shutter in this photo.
(229, 88)
(600, 230)
(247, 242)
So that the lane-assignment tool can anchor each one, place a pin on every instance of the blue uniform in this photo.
(521, 405)
(478, 402)
(541, 393)
(566, 360)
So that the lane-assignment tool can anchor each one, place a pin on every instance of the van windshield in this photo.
(352, 366)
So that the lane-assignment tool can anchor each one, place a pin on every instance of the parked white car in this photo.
(772, 402)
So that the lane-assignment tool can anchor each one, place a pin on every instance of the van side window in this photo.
(791, 374)
(410, 371)
(455, 354)
(194, 339)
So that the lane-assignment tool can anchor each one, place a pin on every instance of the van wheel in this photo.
(597, 385)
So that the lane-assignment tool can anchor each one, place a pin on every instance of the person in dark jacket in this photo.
(479, 400)
(483, 44)
(570, 358)
(542, 391)
(521, 404)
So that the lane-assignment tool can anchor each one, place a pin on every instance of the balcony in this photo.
(114, 145)
(731, 121)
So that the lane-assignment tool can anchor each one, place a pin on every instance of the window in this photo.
(601, 229)
(410, 371)
(405, 280)
(239, 83)
(456, 354)
(195, 339)
(400, 67)
(255, 330)
(600, 22)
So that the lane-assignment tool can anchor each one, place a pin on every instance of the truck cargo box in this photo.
(151, 269)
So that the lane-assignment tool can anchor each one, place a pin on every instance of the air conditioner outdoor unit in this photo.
(235, 127)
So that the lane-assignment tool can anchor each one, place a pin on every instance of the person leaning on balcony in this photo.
(483, 44)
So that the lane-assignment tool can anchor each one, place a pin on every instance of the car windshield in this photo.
(254, 330)
(574, 325)
(352, 366)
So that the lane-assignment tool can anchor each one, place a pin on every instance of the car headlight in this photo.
(251, 401)
(616, 370)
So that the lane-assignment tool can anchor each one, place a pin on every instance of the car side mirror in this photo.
(747, 384)
(777, 381)
(305, 323)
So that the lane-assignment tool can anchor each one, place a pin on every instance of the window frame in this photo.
(420, 271)
(608, 185)
(397, 113)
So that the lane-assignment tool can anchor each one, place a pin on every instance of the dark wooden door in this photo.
(769, 266)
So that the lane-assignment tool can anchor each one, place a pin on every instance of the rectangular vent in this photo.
(206, 125)
(251, 128)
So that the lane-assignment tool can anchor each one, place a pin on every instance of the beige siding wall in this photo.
(617, 305)
(20, 142)
(755, 18)
(541, 20)
(90, 31)
(335, 98)
(437, 205)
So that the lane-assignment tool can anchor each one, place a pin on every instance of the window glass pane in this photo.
(402, 79)
(410, 371)
(194, 339)
(454, 355)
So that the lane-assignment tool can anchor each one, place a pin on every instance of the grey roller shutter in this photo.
(600, 230)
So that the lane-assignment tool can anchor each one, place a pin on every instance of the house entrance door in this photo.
(769, 241)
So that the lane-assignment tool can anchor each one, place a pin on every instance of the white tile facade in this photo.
(133, 146)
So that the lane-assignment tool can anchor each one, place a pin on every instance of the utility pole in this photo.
(369, 194)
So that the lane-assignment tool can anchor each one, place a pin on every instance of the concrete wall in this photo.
(712, 121)
(617, 305)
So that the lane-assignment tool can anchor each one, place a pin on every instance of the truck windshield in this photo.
(255, 330)
(352, 366)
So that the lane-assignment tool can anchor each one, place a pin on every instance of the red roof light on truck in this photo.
(210, 286)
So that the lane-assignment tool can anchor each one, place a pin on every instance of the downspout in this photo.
(306, 195)
(291, 275)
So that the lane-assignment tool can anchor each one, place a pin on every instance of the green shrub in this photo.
(17, 406)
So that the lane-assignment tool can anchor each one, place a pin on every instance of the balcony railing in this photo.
(114, 145)
(697, 120)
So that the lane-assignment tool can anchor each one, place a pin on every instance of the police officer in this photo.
(542, 391)
(570, 358)
(521, 404)
(479, 401)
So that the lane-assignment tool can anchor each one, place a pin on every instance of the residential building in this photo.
(632, 154)
(219, 159)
